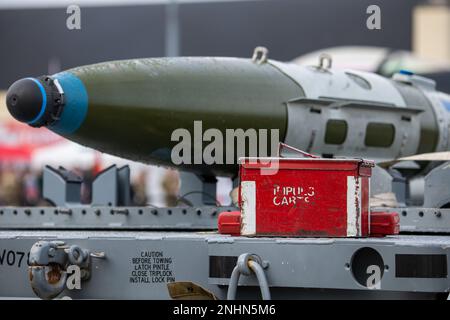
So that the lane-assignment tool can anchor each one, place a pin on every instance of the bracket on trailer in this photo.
(52, 262)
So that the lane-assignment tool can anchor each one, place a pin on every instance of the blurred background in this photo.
(34, 40)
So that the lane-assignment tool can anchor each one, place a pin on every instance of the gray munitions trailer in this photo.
(113, 251)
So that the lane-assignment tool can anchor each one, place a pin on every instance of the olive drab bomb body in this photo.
(130, 108)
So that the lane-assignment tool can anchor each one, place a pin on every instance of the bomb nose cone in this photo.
(26, 100)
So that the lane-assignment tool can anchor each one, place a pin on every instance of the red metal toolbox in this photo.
(306, 197)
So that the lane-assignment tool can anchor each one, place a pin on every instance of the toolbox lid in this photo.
(292, 158)
(296, 163)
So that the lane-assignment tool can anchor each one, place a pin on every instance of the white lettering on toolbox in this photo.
(288, 195)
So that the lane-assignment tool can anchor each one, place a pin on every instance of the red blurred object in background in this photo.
(18, 141)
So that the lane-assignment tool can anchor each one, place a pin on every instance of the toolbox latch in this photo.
(365, 168)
